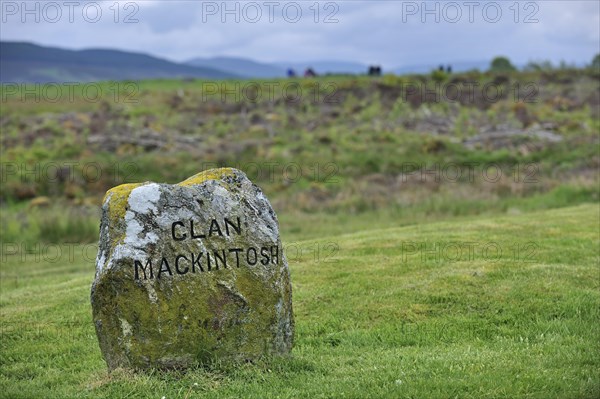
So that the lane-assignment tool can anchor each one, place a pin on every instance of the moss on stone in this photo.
(212, 174)
(118, 198)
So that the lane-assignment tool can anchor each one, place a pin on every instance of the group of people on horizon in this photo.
(308, 73)
(374, 70)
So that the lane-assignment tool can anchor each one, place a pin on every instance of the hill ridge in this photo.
(28, 62)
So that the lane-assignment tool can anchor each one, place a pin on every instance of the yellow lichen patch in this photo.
(212, 174)
(118, 200)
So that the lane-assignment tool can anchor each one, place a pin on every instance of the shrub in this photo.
(501, 64)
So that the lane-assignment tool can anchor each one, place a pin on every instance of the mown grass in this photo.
(380, 313)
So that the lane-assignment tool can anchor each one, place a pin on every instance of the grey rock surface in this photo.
(190, 273)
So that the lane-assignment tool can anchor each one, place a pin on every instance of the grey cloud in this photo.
(366, 31)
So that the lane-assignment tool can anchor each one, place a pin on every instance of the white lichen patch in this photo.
(107, 199)
(127, 332)
(151, 293)
(100, 261)
(143, 199)
(136, 234)
(219, 193)
(125, 327)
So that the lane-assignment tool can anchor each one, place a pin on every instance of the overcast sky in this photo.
(391, 33)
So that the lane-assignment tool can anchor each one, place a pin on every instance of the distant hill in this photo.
(240, 66)
(27, 62)
(253, 69)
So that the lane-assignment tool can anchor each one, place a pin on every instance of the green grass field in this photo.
(501, 306)
(406, 284)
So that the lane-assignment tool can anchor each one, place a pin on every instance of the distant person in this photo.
(374, 70)
(449, 69)
(441, 68)
(309, 73)
(291, 73)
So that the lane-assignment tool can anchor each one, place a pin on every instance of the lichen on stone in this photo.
(211, 174)
(117, 198)
(159, 312)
